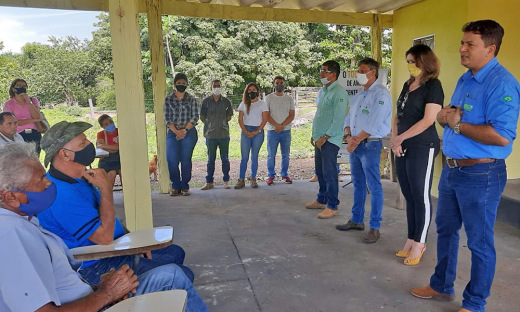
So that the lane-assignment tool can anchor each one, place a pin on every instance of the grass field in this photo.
(300, 146)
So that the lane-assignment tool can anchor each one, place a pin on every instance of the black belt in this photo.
(467, 162)
(371, 140)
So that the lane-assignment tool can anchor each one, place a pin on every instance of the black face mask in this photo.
(180, 88)
(21, 90)
(252, 95)
(279, 88)
(85, 156)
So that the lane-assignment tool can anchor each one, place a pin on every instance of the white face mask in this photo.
(325, 81)
(217, 91)
(362, 78)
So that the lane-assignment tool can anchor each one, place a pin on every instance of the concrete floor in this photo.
(261, 250)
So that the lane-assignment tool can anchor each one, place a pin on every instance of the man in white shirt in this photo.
(8, 126)
(281, 115)
(367, 123)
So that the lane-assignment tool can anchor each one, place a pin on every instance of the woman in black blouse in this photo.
(415, 142)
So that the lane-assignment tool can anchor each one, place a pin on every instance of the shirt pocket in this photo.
(473, 111)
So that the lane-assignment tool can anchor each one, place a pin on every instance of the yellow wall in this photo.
(444, 19)
(504, 12)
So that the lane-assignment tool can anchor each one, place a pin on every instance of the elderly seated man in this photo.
(37, 271)
(8, 127)
(83, 213)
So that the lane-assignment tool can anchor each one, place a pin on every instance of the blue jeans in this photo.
(364, 166)
(167, 277)
(223, 145)
(273, 139)
(325, 162)
(172, 254)
(180, 151)
(468, 195)
(252, 145)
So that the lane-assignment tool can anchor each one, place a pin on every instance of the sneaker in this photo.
(207, 186)
(327, 213)
(185, 192)
(226, 185)
(253, 183)
(270, 181)
(240, 184)
(287, 180)
(315, 205)
(314, 178)
(372, 236)
(175, 192)
(351, 226)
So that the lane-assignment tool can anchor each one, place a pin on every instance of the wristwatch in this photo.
(456, 129)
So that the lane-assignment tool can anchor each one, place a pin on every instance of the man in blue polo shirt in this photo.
(83, 213)
(480, 126)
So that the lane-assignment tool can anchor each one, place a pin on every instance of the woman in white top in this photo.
(252, 117)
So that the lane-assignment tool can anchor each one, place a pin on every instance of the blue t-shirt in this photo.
(74, 215)
(490, 97)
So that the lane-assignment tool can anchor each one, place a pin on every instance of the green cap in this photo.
(58, 135)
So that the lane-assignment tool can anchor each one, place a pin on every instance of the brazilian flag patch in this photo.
(468, 107)
(381, 102)
(508, 98)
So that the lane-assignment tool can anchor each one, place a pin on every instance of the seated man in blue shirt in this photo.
(83, 213)
(38, 273)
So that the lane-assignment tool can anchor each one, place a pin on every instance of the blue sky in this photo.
(19, 26)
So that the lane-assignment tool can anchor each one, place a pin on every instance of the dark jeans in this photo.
(33, 136)
(325, 162)
(223, 145)
(172, 254)
(163, 272)
(469, 196)
(180, 151)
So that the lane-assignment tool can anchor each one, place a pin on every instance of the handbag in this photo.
(43, 125)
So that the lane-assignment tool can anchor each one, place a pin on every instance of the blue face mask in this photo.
(111, 128)
(38, 201)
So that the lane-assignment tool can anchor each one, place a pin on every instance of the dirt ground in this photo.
(299, 169)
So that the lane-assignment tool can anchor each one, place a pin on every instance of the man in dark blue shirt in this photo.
(479, 129)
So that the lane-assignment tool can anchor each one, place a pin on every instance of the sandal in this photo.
(402, 254)
(415, 261)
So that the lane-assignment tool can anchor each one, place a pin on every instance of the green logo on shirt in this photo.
(381, 102)
(468, 107)
(365, 111)
(508, 98)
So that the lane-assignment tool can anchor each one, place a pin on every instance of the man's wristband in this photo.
(347, 135)
(326, 137)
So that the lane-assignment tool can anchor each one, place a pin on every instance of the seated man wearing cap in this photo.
(37, 271)
(83, 213)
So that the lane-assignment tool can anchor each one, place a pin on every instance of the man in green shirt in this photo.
(327, 135)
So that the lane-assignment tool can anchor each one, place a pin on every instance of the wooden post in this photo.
(375, 36)
(126, 55)
(153, 8)
(92, 119)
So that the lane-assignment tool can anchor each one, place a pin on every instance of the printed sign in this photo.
(347, 78)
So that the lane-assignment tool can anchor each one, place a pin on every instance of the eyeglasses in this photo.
(325, 71)
(402, 103)
(20, 86)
